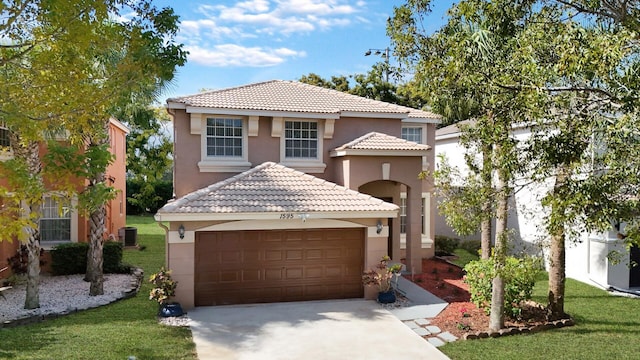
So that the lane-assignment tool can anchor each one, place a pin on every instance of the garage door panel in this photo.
(278, 265)
(294, 254)
(273, 255)
(273, 274)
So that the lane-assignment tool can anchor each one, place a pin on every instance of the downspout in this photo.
(166, 241)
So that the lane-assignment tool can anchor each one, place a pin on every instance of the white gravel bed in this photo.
(63, 294)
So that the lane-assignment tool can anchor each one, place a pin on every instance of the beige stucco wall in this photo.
(264, 147)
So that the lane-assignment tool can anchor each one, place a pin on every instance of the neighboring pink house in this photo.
(287, 191)
(71, 226)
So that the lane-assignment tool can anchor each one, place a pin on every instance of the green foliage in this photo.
(472, 246)
(71, 258)
(446, 245)
(519, 276)
(146, 196)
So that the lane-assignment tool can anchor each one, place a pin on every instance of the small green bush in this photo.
(71, 258)
(446, 245)
(519, 277)
(112, 257)
(472, 246)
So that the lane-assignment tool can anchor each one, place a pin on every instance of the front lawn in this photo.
(607, 327)
(117, 331)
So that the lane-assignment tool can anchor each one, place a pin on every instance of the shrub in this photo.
(472, 246)
(519, 277)
(112, 257)
(19, 261)
(71, 258)
(446, 245)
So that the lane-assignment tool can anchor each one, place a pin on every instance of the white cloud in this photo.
(228, 55)
(234, 30)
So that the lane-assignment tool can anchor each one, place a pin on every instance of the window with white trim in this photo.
(224, 143)
(55, 221)
(403, 214)
(301, 139)
(224, 138)
(412, 134)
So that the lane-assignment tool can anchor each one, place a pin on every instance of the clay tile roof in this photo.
(379, 141)
(271, 187)
(293, 96)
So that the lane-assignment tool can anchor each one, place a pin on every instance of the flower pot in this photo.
(170, 309)
(387, 297)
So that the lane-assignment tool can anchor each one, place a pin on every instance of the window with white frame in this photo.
(224, 138)
(55, 221)
(403, 215)
(412, 134)
(301, 139)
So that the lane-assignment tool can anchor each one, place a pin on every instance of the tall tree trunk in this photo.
(95, 252)
(496, 318)
(97, 226)
(29, 152)
(557, 276)
(485, 224)
(32, 298)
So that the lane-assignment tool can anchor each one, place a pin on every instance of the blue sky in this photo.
(234, 43)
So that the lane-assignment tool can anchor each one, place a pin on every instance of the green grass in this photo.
(607, 327)
(115, 331)
(464, 257)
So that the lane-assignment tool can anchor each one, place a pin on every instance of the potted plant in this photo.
(381, 276)
(164, 289)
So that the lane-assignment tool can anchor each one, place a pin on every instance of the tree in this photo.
(569, 68)
(466, 57)
(149, 156)
(586, 61)
(65, 65)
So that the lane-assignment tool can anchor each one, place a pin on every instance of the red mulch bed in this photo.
(460, 317)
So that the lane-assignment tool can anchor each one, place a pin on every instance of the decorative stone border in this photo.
(520, 330)
(133, 289)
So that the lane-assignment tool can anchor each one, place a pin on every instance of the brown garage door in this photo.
(242, 267)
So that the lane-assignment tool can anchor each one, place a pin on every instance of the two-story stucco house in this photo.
(286, 191)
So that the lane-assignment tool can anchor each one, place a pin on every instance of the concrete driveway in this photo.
(336, 329)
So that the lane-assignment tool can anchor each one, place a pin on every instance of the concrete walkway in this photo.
(336, 329)
(421, 308)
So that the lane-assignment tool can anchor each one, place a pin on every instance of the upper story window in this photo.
(301, 143)
(224, 143)
(224, 137)
(301, 139)
(412, 134)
